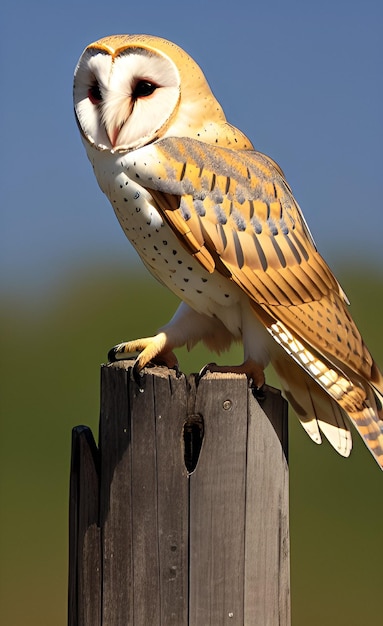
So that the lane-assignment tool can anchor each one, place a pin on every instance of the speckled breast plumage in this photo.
(160, 249)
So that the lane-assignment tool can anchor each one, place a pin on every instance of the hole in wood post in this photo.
(193, 437)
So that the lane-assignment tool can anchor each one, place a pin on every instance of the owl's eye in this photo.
(143, 88)
(94, 94)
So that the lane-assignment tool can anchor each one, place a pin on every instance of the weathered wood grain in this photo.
(116, 499)
(217, 504)
(267, 563)
(144, 498)
(172, 489)
(153, 544)
(84, 594)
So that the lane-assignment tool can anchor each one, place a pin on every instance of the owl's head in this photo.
(130, 90)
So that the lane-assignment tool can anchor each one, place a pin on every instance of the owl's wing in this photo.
(234, 212)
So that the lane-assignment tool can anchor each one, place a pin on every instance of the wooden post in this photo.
(180, 517)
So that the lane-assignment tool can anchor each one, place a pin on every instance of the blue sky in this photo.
(303, 80)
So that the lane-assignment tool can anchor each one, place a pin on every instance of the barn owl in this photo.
(216, 222)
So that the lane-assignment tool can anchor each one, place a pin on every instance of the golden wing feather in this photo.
(247, 215)
(236, 214)
(234, 211)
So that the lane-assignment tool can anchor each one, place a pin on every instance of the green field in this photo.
(51, 355)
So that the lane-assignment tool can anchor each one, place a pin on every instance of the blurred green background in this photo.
(50, 383)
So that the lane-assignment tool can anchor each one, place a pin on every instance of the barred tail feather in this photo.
(320, 391)
(368, 422)
(316, 411)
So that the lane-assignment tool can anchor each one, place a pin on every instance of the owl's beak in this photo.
(113, 135)
(114, 122)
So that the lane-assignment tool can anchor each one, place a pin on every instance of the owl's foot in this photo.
(151, 349)
(253, 371)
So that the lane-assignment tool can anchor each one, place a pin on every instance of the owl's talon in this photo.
(177, 370)
(204, 370)
(112, 355)
(250, 368)
(259, 393)
(137, 374)
(117, 353)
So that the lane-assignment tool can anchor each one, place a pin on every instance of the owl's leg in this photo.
(253, 371)
(186, 327)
